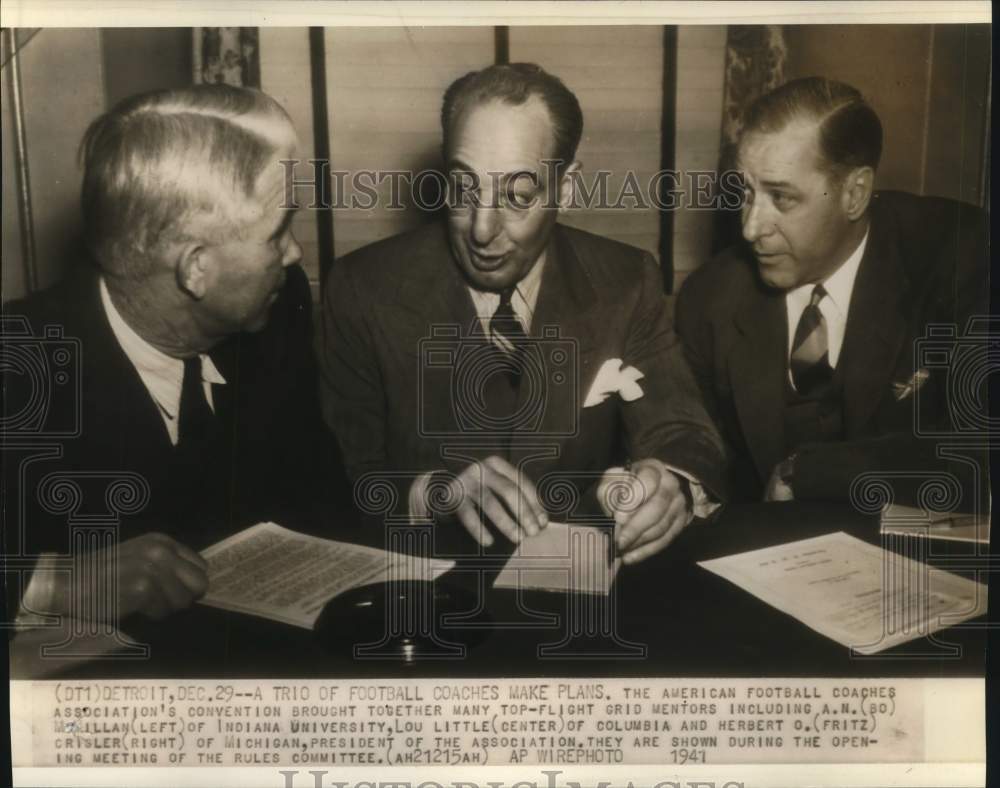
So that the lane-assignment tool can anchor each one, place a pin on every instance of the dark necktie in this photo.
(195, 419)
(507, 333)
(810, 359)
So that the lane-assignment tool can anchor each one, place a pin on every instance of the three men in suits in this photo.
(803, 339)
(195, 379)
(499, 360)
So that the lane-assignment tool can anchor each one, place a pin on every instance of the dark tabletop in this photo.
(665, 617)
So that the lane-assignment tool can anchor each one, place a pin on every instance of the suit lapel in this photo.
(562, 321)
(435, 289)
(757, 372)
(125, 417)
(876, 326)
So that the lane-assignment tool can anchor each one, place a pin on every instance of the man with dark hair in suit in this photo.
(196, 378)
(501, 357)
(803, 338)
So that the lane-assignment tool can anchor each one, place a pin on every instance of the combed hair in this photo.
(850, 133)
(515, 83)
(160, 163)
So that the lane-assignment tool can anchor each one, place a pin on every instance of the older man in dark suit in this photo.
(803, 339)
(188, 346)
(503, 357)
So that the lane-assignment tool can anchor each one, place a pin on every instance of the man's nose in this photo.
(485, 224)
(293, 253)
(755, 222)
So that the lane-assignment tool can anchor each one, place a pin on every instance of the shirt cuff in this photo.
(702, 504)
(39, 596)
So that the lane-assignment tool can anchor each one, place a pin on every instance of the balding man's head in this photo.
(169, 165)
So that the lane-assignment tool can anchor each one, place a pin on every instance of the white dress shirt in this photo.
(162, 375)
(523, 300)
(834, 305)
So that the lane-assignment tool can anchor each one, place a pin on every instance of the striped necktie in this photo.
(810, 359)
(506, 330)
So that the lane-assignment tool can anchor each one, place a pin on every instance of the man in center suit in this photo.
(490, 358)
(189, 342)
(803, 338)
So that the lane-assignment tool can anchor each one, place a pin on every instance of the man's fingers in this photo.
(468, 515)
(191, 556)
(171, 583)
(193, 578)
(657, 538)
(521, 496)
(652, 511)
(141, 593)
(651, 548)
(498, 515)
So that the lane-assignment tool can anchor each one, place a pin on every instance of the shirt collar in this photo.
(839, 285)
(161, 374)
(523, 300)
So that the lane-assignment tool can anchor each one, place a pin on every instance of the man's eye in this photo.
(520, 201)
(466, 197)
(783, 201)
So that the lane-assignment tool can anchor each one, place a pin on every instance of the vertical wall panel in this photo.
(700, 77)
(616, 73)
(958, 112)
(63, 92)
(384, 95)
(12, 281)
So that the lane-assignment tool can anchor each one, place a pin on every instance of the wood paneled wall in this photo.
(383, 93)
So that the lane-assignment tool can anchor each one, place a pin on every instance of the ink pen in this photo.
(613, 551)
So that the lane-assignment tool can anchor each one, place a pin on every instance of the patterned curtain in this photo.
(229, 55)
(755, 64)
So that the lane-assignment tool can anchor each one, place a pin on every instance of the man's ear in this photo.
(566, 186)
(193, 268)
(857, 192)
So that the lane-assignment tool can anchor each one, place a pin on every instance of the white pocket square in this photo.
(903, 390)
(614, 378)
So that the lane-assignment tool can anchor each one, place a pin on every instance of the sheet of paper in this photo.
(275, 573)
(858, 594)
(562, 557)
(910, 521)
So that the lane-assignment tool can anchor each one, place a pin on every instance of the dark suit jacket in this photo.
(269, 410)
(925, 263)
(400, 401)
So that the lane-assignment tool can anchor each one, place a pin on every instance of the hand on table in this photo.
(495, 490)
(156, 576)
(649, 511)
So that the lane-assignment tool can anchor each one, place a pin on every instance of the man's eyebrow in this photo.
(779, 185)
(505, 177)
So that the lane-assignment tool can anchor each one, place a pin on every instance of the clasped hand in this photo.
(156, 575)
(649, 507)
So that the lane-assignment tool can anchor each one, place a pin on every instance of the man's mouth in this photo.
(487, 262)
(767, 256)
